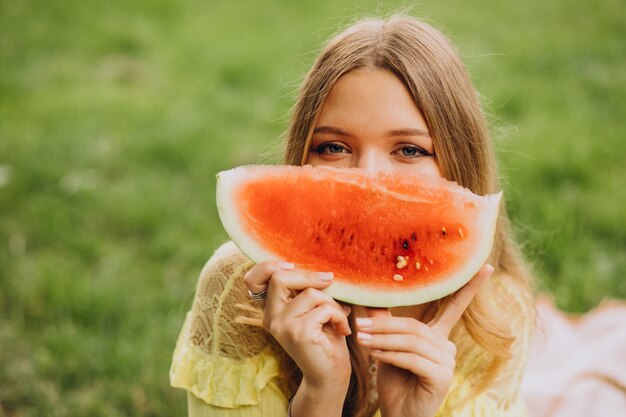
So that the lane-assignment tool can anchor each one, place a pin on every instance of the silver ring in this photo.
(258, 296)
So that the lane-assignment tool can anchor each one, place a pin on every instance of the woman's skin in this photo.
(368, 121)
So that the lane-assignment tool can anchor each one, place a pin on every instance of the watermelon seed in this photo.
(425, 268)
(413, 237)
(418, 266)
(430, 261)
(461, 232)
(405, 244)
(443, 230)
(398, 277)
(401, 262)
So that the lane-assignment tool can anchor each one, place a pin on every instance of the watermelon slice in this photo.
(391, 239)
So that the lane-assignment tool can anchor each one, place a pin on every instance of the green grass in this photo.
(115, 117)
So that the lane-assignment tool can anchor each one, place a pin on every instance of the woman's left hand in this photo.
(416, 360)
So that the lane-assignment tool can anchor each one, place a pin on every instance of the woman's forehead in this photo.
(371, 99)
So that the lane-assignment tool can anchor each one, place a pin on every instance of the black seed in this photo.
(413, 237)
(405, 244)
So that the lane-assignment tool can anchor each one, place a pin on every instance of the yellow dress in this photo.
(232, 369)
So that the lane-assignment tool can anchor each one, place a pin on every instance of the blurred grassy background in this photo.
(115, 117)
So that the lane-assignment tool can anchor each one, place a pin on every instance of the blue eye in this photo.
(409, 151)
(329, 148)
(413, 151)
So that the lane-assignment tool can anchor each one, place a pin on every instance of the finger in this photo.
(401, 325)
(307, 300)
(408, 343)
(282, 283)
(454, 305)
(426, 369)
(390, 324)
(257, 278)
(327, 313)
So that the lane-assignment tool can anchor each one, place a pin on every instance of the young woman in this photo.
(383, 95)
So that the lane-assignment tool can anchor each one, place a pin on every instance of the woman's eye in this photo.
(413, 151)
(330, 148)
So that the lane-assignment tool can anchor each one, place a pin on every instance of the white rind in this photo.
(228, 181)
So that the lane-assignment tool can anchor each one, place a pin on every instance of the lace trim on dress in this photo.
(220, 380)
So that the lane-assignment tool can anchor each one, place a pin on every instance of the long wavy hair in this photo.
(433, 73)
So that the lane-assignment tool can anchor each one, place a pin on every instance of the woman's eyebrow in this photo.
(408, 132)
(391, 133)
(330, 129)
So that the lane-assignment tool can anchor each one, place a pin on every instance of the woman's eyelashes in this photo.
(330, 148)
(406, 151)
(412, 151)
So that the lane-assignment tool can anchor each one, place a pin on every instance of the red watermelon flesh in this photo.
(390, 239)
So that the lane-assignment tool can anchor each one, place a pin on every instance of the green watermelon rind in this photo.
(227, 181)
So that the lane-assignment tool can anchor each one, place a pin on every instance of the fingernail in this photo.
(363, 322)
(490, 269)
(325, 276)
(363, 336)
(286, 265)
(346, 309)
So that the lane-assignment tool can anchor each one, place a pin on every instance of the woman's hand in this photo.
(416, 360)
(311, 326)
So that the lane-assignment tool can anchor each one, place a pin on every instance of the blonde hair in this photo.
(430, 68)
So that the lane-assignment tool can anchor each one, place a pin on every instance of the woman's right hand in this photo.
(310, 326)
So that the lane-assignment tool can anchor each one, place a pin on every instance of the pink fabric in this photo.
(577, 365)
